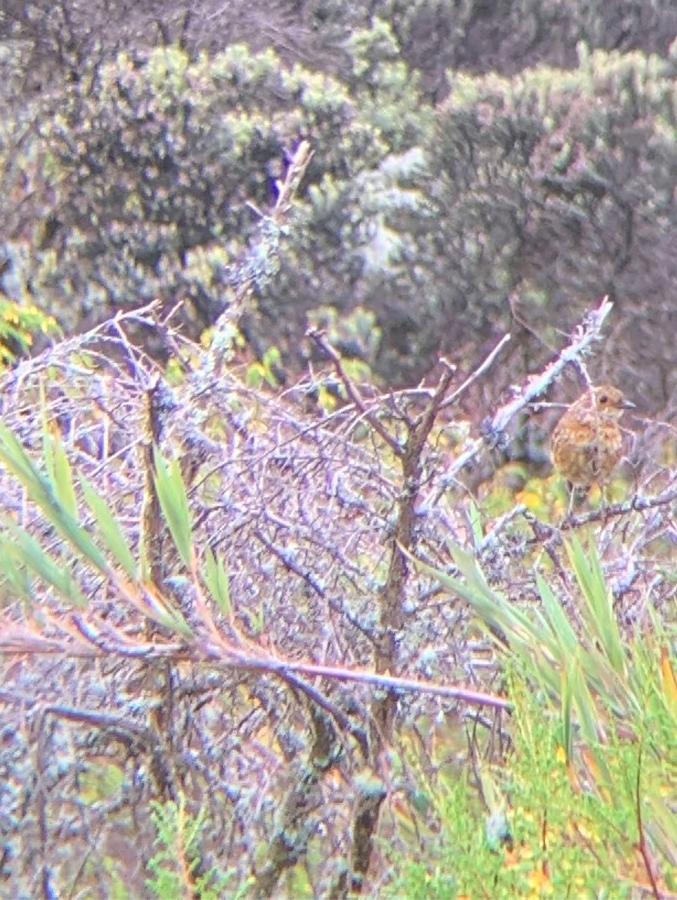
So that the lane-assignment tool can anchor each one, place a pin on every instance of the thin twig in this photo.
(480, 370)
(320, 339)
(588, 332)
(643, 848)
(261, 663)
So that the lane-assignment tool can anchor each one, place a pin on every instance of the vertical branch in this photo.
(371, 791)
(262, 261)
(158, 679)
(298, 819)
(643, 847)
(151, 550)
(391, 598)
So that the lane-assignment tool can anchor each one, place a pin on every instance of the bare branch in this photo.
(585, 335)
(351, 389)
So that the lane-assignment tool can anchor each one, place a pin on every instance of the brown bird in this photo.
(587, 443)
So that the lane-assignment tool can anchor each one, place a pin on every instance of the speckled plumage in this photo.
(587, 443)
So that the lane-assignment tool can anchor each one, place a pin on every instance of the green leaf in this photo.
(29, 551)
(173, 499)
(217, 581)
(580, 564)
(601, 617)
(18, 463)
(589, 721)
(41, 491)
(475, 520)
(63, 480)
(493, 608)
(557, 619)
(161, 609)
(110, 530)
(567, 723)
(174, 621)
(59, 471)
(17, 577)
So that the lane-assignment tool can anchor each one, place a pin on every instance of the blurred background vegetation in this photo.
(476, 169)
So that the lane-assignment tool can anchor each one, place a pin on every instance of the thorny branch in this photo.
(409, 453)
(354, 393)
(585, 335)
(261, 261)
(232, 657)
(309, 521)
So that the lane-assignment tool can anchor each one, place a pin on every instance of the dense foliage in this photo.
(509, 207)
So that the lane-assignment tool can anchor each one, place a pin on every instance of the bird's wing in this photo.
(582, 434)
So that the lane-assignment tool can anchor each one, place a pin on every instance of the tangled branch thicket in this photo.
(299, 511)
(279, 715)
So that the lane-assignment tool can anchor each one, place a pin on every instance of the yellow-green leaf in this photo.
(173, 499)
(217, 581)
(110, 530)
(35, 558)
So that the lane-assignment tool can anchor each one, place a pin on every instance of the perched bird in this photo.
(587, 443)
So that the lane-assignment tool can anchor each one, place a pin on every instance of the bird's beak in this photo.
(628, 404)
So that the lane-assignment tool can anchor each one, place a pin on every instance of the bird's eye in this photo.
(604, 399)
